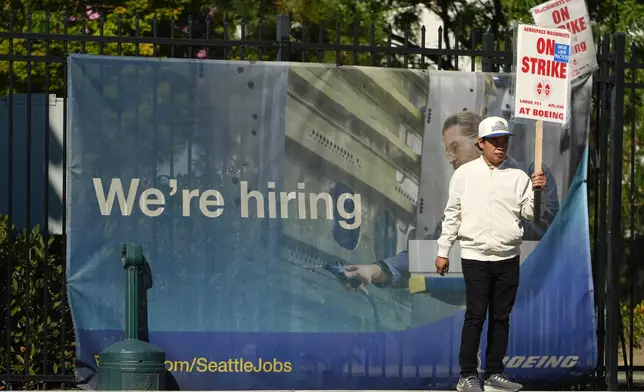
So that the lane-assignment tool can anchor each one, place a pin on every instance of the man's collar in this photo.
(484, 163)
(507, 163)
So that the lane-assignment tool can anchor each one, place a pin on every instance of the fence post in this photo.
(487, 62)
(603, 124)
(615, 211)
(283, 38)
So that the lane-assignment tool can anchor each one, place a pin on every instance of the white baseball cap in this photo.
(493, 127)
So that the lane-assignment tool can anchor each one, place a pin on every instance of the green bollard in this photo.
(132, 364)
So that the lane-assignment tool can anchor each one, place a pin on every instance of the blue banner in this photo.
(255, 188)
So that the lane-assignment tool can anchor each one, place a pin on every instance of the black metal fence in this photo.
(38, 342)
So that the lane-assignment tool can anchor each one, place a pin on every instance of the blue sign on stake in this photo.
(562, 52)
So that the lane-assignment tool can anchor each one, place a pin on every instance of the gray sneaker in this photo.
(469, 384)
(500, 383)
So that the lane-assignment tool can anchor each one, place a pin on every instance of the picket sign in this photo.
(571, 15)
(542, 90)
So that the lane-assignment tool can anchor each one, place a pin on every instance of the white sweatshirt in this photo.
(484, 210)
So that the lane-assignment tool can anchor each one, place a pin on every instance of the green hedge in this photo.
(41, 338)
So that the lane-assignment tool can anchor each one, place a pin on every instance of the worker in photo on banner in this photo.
(488, 199)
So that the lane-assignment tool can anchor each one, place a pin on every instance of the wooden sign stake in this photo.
(538, 153)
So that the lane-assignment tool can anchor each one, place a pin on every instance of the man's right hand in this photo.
(442, 265)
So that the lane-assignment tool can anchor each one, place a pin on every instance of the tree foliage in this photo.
(40, 331)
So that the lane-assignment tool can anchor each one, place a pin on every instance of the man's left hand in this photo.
(539, 180)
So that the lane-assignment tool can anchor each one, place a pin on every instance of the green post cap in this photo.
(132, 255)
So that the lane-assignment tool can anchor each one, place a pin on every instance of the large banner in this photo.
(253, 186)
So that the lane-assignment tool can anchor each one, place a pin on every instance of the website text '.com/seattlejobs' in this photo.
(236, 365)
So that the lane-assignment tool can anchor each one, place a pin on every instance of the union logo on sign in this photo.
(543, 89)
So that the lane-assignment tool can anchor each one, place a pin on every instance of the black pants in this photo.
(489, 286)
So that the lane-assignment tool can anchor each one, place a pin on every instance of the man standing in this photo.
(488, 199)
